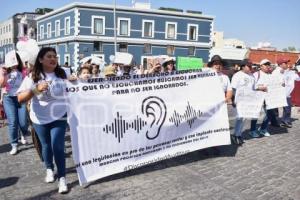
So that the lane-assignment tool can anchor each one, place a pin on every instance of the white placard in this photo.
(249, 103)
(276, 94)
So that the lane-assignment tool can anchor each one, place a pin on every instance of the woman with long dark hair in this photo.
(45, 87)
(10, 80)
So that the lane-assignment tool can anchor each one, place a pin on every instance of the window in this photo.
(48, 30)
(170, 50)
(9, 27)
(58, 59)
(56, 48)
(57, 28)
(148, 48)
(67, 58)
(42, 32)
(67, 26)
(98, 25)
(66, 47)
(171, 30)
(191, 51)
(98, 46)
(9, 40)
(123, 47)
(0, 31)
(192, 32)
(123, 26)
(148, 28)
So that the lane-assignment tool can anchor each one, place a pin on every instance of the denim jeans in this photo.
(265, 122)
(239, 124)
(273, 114)
(287, 111)
(52, 138)
(16, 114)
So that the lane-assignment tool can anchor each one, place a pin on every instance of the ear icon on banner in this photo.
(154, 108)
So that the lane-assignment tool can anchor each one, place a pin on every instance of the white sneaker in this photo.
(14, 150)
(49, 176)
(62, 186)
(23, 140)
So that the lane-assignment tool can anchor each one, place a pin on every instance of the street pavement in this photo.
(263, 168)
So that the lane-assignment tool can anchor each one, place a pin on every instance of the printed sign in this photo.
(248, 103)
(186, 63)
(128, 122)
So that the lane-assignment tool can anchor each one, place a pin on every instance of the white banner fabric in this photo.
(120, 125)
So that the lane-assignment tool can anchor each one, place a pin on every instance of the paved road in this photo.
(263, 168)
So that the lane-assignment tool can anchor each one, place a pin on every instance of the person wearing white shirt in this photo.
(243, 79)
(216, 64)
(45, 87)
(289, 76)
(261, 83)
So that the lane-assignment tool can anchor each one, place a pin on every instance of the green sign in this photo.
(186, 63)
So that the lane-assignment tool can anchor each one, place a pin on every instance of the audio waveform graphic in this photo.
(119, 126)
(189, 116)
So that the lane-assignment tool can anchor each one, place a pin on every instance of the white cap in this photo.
(264, 61)
(11, 59)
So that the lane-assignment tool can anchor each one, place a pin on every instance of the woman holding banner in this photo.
(45, 87)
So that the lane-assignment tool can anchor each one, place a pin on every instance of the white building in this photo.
(20, 25)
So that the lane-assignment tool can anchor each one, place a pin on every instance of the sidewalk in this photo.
(263, 168)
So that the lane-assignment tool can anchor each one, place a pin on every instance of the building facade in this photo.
(78, 30)
(19, 26)
(256, 55)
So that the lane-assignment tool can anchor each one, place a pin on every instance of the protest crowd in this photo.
(30, 88)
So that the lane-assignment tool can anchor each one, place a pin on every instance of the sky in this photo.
(252, 21)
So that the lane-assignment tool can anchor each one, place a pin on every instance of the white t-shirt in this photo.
(290, 76)
(67, 71)
(279, 72)
(225, 82)
(49, 105)
(14, 80)
(261, 79)
(242, 80)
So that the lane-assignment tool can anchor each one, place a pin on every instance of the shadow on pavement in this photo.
(8, 181)
(53, 194)
(5, 148)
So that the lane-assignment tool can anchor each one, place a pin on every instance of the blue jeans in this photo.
(16, 114)
(287, 111)
(265, 122)
(52, 138)
(239, 124)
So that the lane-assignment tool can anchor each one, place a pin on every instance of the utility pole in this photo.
(115, 27)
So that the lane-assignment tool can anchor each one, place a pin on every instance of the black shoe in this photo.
(240, 139)
(286, 125)
(235, 140)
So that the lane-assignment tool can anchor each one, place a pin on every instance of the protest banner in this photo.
(276, 94)
(123, 58)
(186, 63)
(129, 122)
(248, 103)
